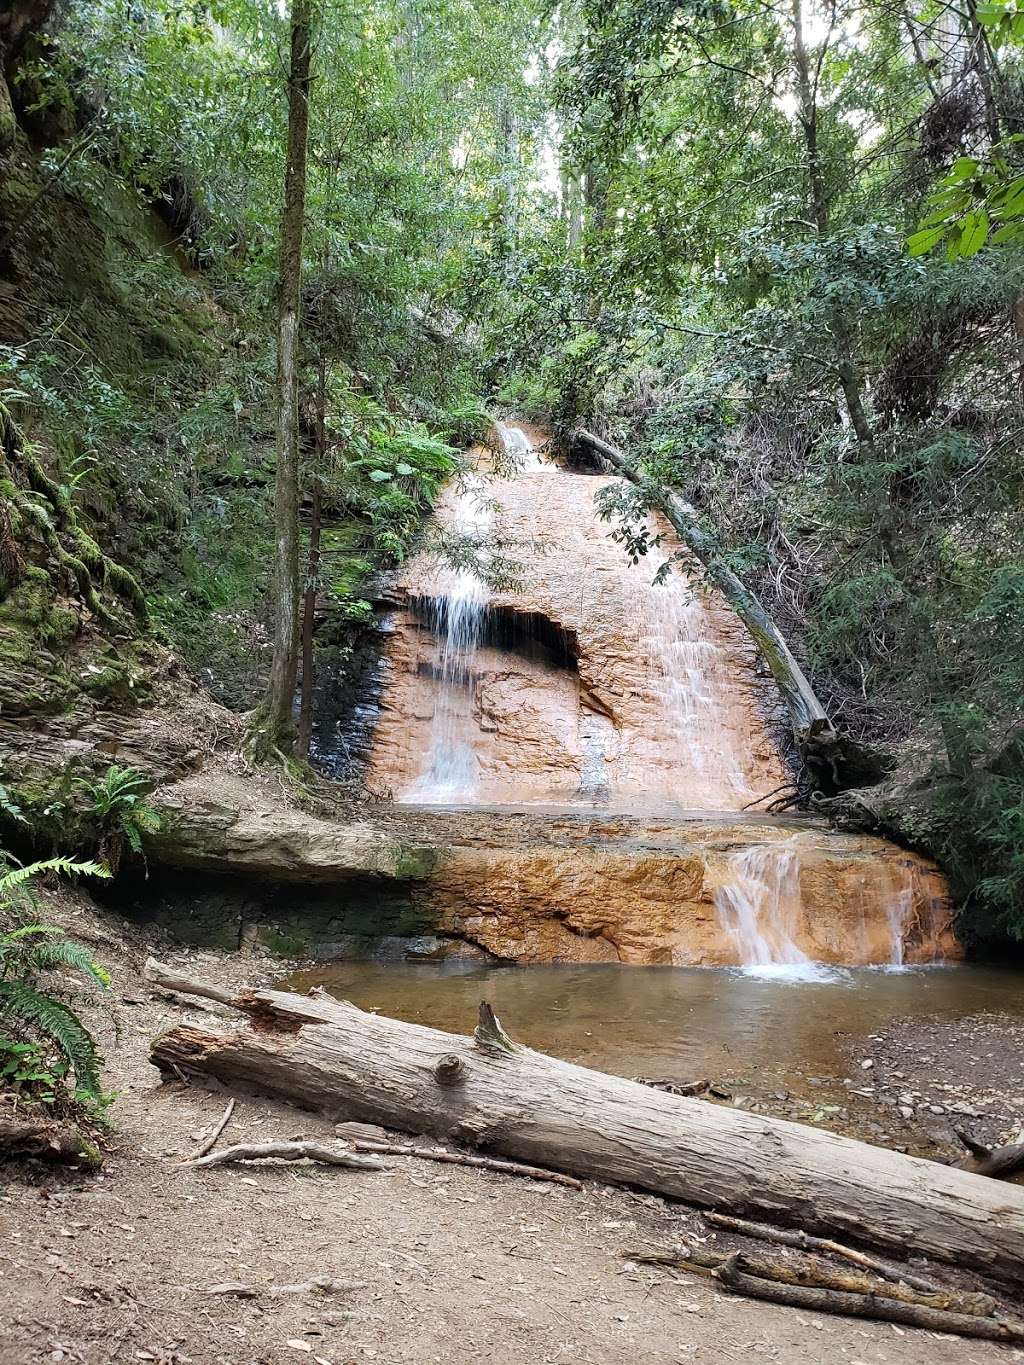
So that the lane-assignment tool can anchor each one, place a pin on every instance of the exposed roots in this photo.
(45, 506)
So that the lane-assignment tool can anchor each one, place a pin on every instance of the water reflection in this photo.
(677, 1023)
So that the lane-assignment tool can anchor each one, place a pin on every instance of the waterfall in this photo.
(760, 910)
(690, 676)
(457, 608)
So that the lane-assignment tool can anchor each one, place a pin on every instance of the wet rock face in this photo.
(530, 886)
(665, 905)
(659, 698)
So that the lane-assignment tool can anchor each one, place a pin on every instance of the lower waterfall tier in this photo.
(534, 886)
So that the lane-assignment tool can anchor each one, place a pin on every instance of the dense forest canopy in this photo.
(683, 227)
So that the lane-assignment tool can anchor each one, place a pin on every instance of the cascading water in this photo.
(592, 685)
(688, 675)
(760, 909)
(456, 609)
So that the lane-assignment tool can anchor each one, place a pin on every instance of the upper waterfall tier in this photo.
(589, 684)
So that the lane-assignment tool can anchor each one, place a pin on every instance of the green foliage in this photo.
(45, 1039)
(116, 802)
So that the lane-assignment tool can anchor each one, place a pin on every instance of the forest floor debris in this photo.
(440, 1263)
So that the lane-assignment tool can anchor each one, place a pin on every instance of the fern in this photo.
(23, 1005)
(17, 876)
(62, 952)
(10, 808)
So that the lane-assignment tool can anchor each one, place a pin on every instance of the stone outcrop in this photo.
(532, 887)
(657, 697)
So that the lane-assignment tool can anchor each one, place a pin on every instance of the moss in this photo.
(281, 944)
(414, 862)
(115, 678)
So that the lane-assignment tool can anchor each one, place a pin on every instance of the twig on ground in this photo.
(485, 1163)
(288, 1151)
(211, 1141)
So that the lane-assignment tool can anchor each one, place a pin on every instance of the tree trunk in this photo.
(277, 729)
(805, 709)
(308, 619)
(807, 93)
(324, 1054)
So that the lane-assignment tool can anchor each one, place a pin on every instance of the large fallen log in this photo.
(327, 1055)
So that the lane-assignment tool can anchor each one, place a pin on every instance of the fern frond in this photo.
(67, 867)
(64, 953)
(29, 931)
(11, 808)
(31, 1008)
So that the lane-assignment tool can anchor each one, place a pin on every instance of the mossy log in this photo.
(327, 1055)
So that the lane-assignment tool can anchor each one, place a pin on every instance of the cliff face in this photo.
(588, 682)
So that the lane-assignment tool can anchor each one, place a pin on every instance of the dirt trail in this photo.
(452, 1266)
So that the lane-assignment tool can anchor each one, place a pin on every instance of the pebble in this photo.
(866, 1064)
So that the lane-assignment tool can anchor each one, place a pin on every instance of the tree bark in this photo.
(324, 1054)
(276, 728)
(47, 1141)
(308, 621)
(807, 93)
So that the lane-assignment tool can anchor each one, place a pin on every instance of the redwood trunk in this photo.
(278, 729)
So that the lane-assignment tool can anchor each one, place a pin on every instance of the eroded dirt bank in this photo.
(447, 1265)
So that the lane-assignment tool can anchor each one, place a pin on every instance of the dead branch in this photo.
(288, 1151)
(482, 1163)
(998, 1163)
(794, 1237)
(211, 1141)
(164, 977)
(733, 1276)
(812, 1271)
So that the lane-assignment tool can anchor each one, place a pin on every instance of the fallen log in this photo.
(327, 1055)
(733, 1275)
(47, 1141)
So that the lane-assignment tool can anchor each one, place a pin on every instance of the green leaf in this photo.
(21, 1003)
(1009, 232)
(918, 243)
(963, 168)
(974, 233)
(380, 476)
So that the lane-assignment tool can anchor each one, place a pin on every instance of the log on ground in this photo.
(330, 1056)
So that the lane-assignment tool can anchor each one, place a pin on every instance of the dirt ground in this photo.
(442, 1266)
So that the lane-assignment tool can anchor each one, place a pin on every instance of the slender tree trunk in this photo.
(308, 618)
(276, 724)
(846, 367)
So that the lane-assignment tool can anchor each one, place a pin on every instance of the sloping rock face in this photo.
(530, 887)
(658, 697)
